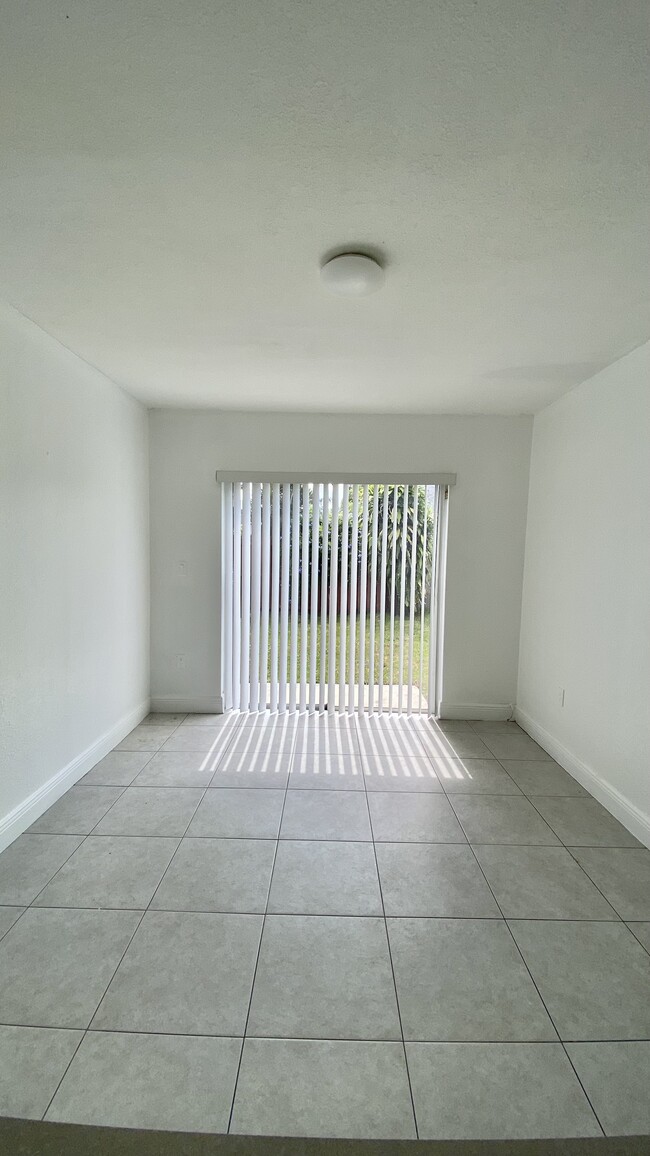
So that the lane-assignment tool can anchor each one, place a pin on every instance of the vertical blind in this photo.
(329, 596)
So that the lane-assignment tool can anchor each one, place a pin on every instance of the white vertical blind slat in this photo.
(414, 562)
(433, 609)
(323, 600)
(363, 584)
(345, 532)
(304, 595)
(227, 591)
(373, 599)
(382, 598)
(423, 594)
(391, 669)
(245, 680)
(284, 597)
(256, 558)
(354, 562)
(334, 589)
(295, 575)
(313, 610)
(235, 665)
(266, 579)
(402, 591)
(275, 592)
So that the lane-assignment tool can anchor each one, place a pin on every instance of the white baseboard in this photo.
(31, 808)
(190, 704)
(486, 711)
(627, 813)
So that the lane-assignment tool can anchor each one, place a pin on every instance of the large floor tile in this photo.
(200, 740)
(117, 769)
(325, 815)
(320, 878)
(175, 1083)
(642, 932)
(314, 742)
(421, 723)
(616, 1077)
(415, 817)
(400, 773)
(324, 978)
(264, 769)
(56, 965)
(323, 1088)
(146, 738)
(433, 879)
(455, 745)
(474, 777)
(541, 883)
(253, 743)
(110, 871)
(327, 772)
(623, 876)
(184, 973)
(502, 819)
(176, 769)
(151, 811)
(514, 747)
(233, 814)
(29, 863)
(539, 777)
(76, 812)
(497, 1091)
(464, 980)
(8, 916)
(593, 977)
(218, 875)
(584, 823)
(387, 737)
(32, 1062)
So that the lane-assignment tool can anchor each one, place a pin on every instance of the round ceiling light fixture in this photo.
(352, 275)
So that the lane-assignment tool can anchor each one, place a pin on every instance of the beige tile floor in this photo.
(374, 927)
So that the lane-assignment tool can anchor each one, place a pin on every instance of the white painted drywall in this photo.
(74, 568)
(485, 546)
(586, 602)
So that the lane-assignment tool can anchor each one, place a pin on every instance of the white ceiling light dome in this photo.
(352, 275)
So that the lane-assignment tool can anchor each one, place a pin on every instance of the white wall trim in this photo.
(627, 813)
(31, 808)
(486, 711)
(192, 703)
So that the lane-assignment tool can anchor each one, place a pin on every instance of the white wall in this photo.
(74, 569)
(586, 604)
(485, 545)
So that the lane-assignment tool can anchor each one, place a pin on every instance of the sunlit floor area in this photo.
(370, 926)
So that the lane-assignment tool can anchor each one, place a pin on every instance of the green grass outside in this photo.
(420, 649)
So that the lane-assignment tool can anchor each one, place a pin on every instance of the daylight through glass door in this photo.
(330, 594)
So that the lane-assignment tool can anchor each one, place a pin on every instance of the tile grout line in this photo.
(119, 963)
(532, 979)
(89, 833)
(84, 1031)
(599, 846)
(28, 906)
(259, 945)
(390, 959)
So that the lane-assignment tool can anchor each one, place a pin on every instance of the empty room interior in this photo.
(325, 577)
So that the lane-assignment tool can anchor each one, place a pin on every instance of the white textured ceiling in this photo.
(172, 174)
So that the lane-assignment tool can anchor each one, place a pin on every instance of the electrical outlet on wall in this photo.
(560, 696)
